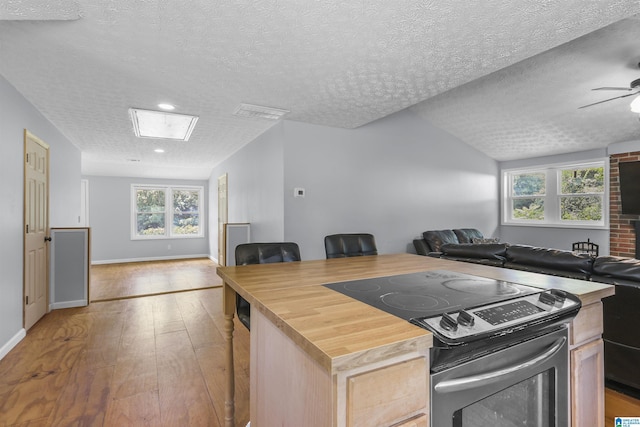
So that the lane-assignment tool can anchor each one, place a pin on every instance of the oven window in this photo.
(528, 403)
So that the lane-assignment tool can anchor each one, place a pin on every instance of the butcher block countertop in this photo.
(340, 333)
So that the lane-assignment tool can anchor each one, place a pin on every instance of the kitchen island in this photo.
(321, 358)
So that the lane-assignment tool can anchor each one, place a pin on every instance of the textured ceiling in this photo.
(329, 62)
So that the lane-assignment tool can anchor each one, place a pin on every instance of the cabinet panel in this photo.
(587, 385)
(587, 325)
(389, 394)
(420, 421)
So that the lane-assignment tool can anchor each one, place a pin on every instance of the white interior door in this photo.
(36, 228)
(222, 217)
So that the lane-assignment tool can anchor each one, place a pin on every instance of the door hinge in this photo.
(27, 157)
(27, 300)
(27, 228)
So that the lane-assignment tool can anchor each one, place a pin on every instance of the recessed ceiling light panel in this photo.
(167, 107)
(260, 112)
(158, 124)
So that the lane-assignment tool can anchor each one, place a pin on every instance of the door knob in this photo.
(47, 239)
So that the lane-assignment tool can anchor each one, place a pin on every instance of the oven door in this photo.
(523, 385)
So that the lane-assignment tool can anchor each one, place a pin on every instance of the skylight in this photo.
(159, 124)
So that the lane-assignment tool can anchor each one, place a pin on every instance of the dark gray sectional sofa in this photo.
(621, 311)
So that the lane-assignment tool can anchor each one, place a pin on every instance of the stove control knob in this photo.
(559, 295)
(466, 319)
(547, 298)
(448, 323)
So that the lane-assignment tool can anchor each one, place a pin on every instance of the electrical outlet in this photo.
(298, 192)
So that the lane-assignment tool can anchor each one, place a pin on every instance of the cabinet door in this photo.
(389, 394)
(587, 385)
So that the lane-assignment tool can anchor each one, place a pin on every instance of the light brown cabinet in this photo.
(319, 358)
(587, 367)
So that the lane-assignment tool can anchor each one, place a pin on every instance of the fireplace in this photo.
(624, 230)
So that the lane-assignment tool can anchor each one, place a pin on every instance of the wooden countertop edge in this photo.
(271, 301)
(418, 340)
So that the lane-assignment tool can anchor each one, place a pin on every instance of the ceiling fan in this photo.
(634, 88)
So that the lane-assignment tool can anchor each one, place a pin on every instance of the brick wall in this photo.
(622, 235)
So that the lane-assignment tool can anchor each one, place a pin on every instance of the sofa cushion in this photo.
(470, 250)
(617, 268)
(466, 235)
(546, 258)
(436, 238)
(421, 247)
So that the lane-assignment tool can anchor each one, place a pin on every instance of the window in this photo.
(556, 195)
(166, 212)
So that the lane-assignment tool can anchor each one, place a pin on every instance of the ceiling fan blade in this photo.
(612, 88)
(607, 100)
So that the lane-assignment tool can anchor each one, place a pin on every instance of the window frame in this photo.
(553, 195)
(168, 211)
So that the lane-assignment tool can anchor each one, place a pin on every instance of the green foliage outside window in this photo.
(185, 212)
(583, 205)
(528, 209)
(151, 212)
(150, 207)
(529, 184)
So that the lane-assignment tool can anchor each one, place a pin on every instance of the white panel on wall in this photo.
(235, 234)
(69, 268)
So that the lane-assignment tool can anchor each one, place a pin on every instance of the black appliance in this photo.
(500, 348)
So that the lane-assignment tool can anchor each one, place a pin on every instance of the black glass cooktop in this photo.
(430, 293)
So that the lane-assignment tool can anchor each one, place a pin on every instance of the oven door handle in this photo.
(465, 383)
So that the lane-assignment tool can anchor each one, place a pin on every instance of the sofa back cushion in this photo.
(436, 238)
(616, 267)
(470, 250)
(466, 235)
(550, 258)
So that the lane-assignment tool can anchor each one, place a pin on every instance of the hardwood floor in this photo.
(154, 360)
(619, 405)
(149, 361)
(117, 281)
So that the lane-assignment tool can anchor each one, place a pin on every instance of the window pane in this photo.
(185, 224)
(185, 201)
(585, 208)
(150, 200)
(585, 180)
(529, 184)
(528, 209)
(150, 224)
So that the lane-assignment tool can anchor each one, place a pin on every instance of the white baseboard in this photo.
(5, 349)
(211, 257)
(165, 258)
(68, 304)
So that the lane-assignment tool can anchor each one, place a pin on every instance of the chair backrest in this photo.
(587, 247)
(348, 245)
(267, 253)
(261, 253)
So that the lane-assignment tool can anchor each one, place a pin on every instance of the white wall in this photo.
(555, 237)
(110, 208)
(395, 178)
(255, 182)
(16, 114)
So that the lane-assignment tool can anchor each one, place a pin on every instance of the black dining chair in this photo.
(261, 253)
(349, 245)
(587, 247)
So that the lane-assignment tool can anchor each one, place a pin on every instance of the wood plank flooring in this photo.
(148, 361)
(619, 405)
(154, 360)
(117, 281)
